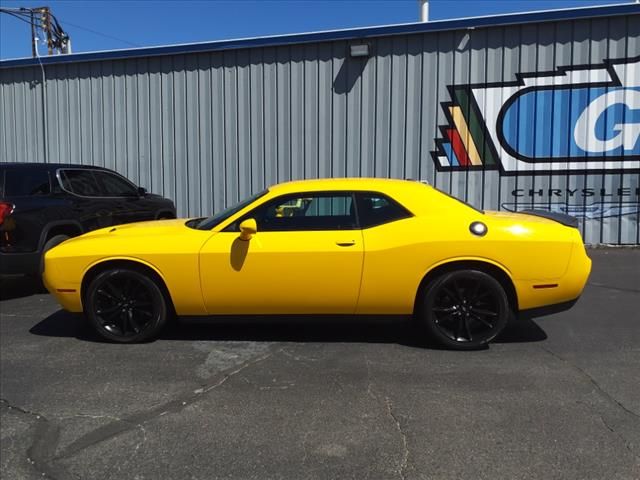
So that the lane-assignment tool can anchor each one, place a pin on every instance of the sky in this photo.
(119, 24)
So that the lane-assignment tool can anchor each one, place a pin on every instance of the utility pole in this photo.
(34, 46)
(41, 18)
(46, 26)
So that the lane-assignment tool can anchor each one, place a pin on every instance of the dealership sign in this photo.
(574, 119)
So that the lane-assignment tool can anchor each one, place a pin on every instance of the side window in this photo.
(26, 182)
(301, 212)
(376, 209)
(80, 182)
(113, 185)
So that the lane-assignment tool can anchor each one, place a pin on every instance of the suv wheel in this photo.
(54, 241)
(49, 244)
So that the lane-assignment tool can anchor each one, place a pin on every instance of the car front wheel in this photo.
(464, 309)
(126, 305)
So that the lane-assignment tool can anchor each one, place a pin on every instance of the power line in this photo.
(100, 33)
(41, 18)
(19, 17)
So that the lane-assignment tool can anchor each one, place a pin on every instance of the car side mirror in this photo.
(248, 229)
(142, 191)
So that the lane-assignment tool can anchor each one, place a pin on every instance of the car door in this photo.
(306, 258)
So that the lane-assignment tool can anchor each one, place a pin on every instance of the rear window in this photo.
(112, 185)
(377, 209)
(80, 182)
(23, 182)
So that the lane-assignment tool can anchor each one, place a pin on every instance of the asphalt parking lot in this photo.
(554, 398)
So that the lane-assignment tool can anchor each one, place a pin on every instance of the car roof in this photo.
(50, 166)
(329, 184)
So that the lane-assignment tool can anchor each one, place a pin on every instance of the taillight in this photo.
(5, 211)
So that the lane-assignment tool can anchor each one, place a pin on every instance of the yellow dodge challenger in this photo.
(334, 247)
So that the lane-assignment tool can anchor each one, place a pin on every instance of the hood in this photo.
(153, 228)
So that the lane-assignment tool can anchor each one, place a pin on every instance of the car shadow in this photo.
(18, 286)
(523, 330)
(365, 330)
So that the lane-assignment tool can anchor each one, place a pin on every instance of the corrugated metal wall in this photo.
(207, 129)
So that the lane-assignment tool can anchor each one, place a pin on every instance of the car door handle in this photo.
(347, 243)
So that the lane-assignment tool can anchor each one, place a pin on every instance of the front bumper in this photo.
(66, 292)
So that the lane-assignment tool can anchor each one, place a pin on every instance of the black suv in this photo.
(41, 205)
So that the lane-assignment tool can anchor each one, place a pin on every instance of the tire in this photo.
(126, 305)
(464, 309)
(49, 244)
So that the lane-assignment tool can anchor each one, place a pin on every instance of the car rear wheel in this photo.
(126, 305)
(465, 309)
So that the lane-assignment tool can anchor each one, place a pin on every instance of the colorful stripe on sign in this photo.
(466, 142)
(465, 135)
(458, 147)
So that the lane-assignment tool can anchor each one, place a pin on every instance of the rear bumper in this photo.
(536, 293)
(20, 263)
(547, 310)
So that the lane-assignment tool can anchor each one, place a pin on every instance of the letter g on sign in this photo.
(626, 134)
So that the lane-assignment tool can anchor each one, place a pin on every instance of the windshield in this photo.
(210, 222)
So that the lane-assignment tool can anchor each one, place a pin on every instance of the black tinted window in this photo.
(21, 182)
(113, 185)
(80, 182)
(376, 209)
(302, 212)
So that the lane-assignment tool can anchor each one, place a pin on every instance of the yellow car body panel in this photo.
(375, 270)
(274, 272)
(167, 246)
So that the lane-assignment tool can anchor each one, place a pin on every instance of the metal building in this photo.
(507, 112)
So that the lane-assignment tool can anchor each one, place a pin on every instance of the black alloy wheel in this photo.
(125, 305)
(465, 309)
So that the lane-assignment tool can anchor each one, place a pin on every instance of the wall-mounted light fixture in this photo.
(359, 50)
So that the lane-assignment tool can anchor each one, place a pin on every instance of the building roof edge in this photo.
(360, 33)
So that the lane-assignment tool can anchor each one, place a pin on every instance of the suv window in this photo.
(301, 212)
(80, 182)
(26, 182)
(376, 209)
(112, 185)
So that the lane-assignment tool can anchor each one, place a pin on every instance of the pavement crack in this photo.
(405, 450)
(305, 451)
(369, 379)
(608, 427)
(606, 395)
(20, 409)
(404, 462)
(140, 419)
(45, 442)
